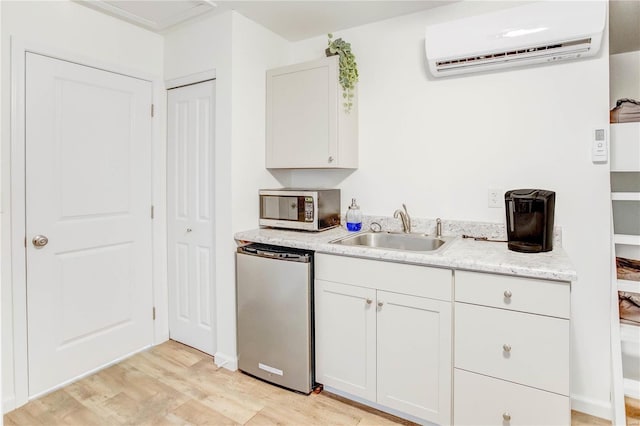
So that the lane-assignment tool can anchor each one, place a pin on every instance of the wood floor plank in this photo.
(199, 414)
(172, 384)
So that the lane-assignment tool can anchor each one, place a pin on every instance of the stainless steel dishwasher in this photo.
(275, 315)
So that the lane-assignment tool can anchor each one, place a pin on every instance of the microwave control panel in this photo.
(308, 209)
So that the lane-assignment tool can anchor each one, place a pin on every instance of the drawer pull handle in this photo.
(507, 294)
(369, 301)
(380, 303)
(506, 348)
(506, 416)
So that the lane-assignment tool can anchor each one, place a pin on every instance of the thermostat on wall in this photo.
(599, 151)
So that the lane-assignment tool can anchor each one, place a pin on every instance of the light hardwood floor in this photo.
(174, 384)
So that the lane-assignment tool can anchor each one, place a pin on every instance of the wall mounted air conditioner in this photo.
(534, 33)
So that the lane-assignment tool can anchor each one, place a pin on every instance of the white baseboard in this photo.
(226, 361)
(632, 388)
(8, 404)
(378, 406)
(591, 407)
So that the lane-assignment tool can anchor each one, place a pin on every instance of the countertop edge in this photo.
(460, 254)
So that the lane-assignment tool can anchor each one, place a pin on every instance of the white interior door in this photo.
(88, 191)
(190, 215)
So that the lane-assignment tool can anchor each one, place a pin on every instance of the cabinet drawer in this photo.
(416, 280)
(480, 400)
(514, 293)
(524, 348)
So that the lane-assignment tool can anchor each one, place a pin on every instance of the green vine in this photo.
(348, 75)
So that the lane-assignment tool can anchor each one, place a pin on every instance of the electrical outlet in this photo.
(495, 198)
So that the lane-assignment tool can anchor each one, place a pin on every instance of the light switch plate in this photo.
(495, 198)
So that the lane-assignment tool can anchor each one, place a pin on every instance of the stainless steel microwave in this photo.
(303, 209)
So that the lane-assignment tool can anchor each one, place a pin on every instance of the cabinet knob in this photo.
(331, 159)
(380, 303)
(369, 301)
(507, 294)
(506, 348)
(189, 229)
(506, 416)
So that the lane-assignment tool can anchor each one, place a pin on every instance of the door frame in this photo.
(14, 211)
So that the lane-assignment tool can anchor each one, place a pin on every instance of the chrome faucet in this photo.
(405, 218)
(438, 228)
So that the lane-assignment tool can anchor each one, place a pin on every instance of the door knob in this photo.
(40, 241)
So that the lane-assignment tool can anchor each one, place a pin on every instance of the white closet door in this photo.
(190, 215)
(88, 191)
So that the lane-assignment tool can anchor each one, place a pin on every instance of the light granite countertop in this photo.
(459, 253)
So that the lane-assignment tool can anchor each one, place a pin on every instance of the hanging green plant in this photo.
(348, 75)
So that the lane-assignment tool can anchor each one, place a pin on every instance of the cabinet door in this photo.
(345, 325)
(302, 115)
(414, 355)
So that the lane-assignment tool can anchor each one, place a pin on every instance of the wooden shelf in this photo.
(629, 286)
(629, 332)
(632, 240)
(625, 147)
(625, 196)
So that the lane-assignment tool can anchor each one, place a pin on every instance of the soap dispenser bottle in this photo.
(354, 217)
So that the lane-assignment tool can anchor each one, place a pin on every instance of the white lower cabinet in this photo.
(384, 337)
(378, 342)
(511, 351)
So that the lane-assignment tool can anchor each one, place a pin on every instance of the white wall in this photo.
(624, 71)
(240, 51)
(80, 32)
(438, 145)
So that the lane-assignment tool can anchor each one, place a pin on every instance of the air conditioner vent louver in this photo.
(516, 53)
(540, 32)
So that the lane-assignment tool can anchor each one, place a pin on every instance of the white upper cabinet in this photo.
(306, 124)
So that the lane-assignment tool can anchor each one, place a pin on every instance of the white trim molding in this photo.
(591, 407)
(226, 361)
(198, 77)
(632, 388)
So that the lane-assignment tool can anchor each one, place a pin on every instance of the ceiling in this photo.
(298, 20)
(624, 26)
(293, 20)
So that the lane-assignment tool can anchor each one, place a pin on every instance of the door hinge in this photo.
(153, 315)
(152, 110)
(151, 212)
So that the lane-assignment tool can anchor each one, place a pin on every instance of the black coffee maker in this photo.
(530, 219)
